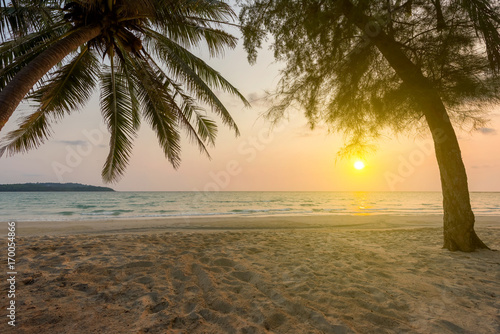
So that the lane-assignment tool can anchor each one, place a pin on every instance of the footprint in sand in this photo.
(274, 321)
(138, 264)
(145, 280)
(245, 276)
(223, 262)
(179, 275)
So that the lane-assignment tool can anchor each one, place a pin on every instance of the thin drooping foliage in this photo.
(364, 67)
(335, 72)
(135, 52)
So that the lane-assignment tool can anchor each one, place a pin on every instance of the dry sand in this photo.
(328, 274)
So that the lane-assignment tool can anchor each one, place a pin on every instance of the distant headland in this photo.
(51, 187)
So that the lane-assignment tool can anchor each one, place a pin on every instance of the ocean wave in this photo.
(259, 210)
(249, 210)
(85, 206)
(80, 206)
(105, 212)
(66, 213)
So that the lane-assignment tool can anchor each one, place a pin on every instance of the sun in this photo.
(359, 165)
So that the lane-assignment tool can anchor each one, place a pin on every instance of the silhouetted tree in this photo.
(365, 66)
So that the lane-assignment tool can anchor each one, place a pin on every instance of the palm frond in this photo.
(190, 35)
(19, 46)
(16, 54)
(157, 108)
(118, 113)
(198, 77)
(185, 112)
(207, 128)
(179, 12)
(184, 107)
(134, 102)
(18, 18)
(68, 90)
(71, 86)
(32, 132)
(179, 58)
(207, 10)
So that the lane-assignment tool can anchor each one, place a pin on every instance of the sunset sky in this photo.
(292, 157)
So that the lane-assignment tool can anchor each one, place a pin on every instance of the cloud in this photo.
(261, 99)
(255, 96)
(306, 131)
(83, 143)
(487, 131)
(73, 142)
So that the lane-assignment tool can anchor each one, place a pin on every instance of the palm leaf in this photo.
(207, 129)
(16, 54)
(197, 76)
(179, 58)
(71, 86)
(21, 45)
(118, 113)
(206, 132)
(185, 107)
(32, 132)
(157, 108)
(190, 35)
(179, 12)
(21, 17)
(68, 90)
(127, 70)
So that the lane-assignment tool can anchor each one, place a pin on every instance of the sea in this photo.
(74, 206)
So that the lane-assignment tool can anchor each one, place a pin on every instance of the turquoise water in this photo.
(44, 206)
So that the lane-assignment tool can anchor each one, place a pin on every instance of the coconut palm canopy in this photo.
(137, 51)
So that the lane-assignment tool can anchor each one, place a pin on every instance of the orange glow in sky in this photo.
(287, 157)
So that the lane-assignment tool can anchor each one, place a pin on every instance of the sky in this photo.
(289, 157)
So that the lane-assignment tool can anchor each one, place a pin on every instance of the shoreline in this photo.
(157, 225)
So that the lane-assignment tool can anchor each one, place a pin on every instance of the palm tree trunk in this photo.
(20, 85)
(458, 217)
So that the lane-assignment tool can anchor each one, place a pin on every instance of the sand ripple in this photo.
(282, 281)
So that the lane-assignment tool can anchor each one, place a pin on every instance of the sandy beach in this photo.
(315, 274)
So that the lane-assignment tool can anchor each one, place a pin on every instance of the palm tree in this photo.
(55, 52)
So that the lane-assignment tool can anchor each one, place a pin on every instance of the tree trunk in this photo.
(26, 78)
(458, 217)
